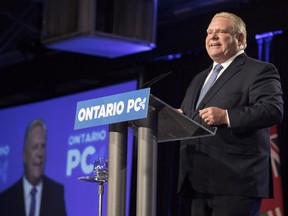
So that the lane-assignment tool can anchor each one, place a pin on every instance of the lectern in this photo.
(162, 124)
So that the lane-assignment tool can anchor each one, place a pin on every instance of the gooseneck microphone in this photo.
(156, 79)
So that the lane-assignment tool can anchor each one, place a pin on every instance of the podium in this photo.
(162, 124)
(173, 125)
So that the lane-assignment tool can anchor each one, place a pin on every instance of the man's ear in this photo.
(240, 38)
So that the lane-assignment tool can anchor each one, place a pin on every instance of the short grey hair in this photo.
(31, 125)
(238, 24)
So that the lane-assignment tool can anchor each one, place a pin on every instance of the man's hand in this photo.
(180, 110)
(213, 116)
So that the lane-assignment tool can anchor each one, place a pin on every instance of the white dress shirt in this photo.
(27, 196)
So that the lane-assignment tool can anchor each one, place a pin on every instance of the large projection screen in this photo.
(70, 153)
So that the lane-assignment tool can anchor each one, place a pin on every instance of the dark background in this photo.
(30, 72)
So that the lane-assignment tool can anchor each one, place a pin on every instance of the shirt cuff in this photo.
(228, 120)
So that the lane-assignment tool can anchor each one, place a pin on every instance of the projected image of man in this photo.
(35, 193)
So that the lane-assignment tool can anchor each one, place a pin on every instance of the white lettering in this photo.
(96, 109)
(136, 106)
(81, 115)
(87, 168)
(130, 105)
(110, 108)
(102, 112)
(89, 113)
(93, 136)
(120, 107)
(73, 160)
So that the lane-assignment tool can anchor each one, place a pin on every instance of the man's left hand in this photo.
(213, 116)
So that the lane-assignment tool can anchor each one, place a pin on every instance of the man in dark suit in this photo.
(49, 195)
(229, 173)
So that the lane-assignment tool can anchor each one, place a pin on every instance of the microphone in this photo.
(156, 79)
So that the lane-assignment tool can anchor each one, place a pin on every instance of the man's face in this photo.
(34, 155)
(221, 42)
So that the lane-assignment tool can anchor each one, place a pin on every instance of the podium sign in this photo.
(112, 109)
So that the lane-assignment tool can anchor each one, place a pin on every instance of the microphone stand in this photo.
(156, 79)
(100, 193)
(100, 176)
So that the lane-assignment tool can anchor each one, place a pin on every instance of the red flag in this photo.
(274, 207)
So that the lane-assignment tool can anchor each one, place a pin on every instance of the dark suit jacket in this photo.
(52, 201)
(236, 160)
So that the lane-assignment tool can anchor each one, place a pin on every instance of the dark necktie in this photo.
(33, 202)
(209, 83)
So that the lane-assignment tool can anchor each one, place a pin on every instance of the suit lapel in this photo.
(230, 71)
(19, 197)
(44, 201)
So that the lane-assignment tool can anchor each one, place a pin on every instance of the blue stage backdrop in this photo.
(70, 153)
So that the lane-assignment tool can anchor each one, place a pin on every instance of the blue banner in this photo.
(111, 109)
